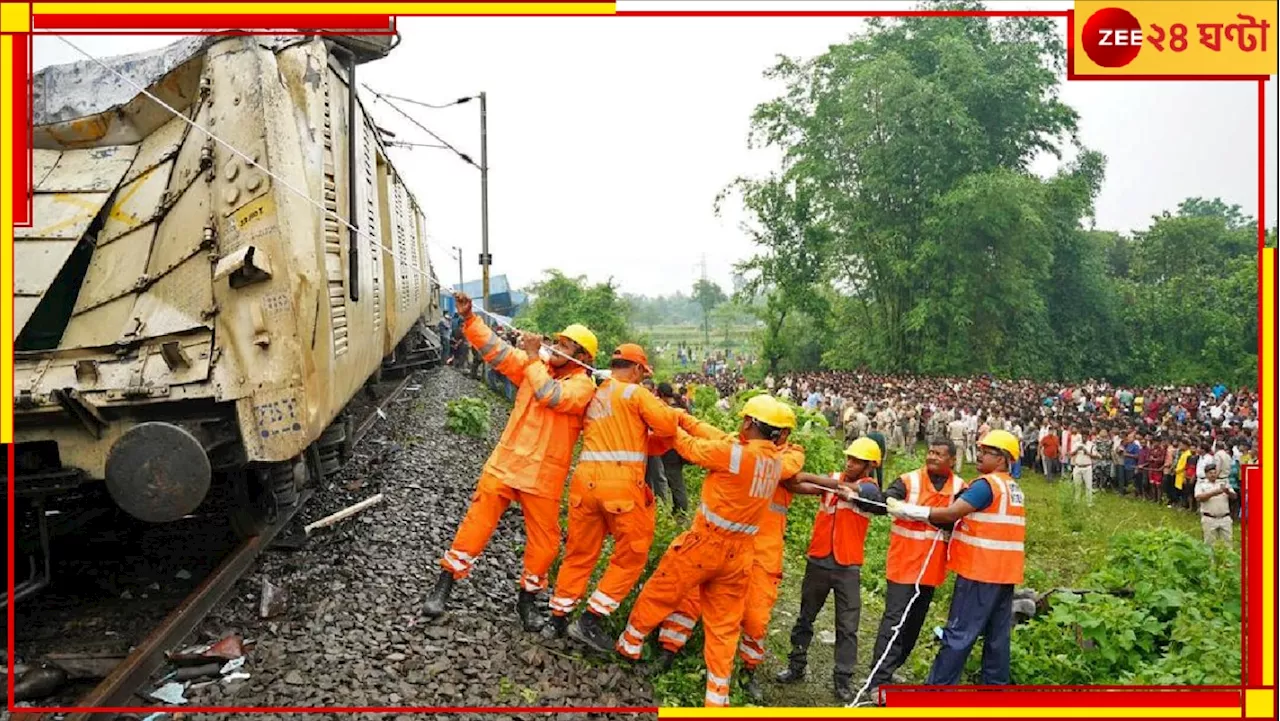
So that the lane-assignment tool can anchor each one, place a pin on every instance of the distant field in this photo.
(692, 335)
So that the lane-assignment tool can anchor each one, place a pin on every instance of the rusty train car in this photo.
(189, 321)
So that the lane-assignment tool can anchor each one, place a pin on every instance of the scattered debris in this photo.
(827, 637)
(344, 513)
(227, 648)
(82, 666)
(272, 600)
(171, 693)
(183, 575)
(38, 682)
(188, 673)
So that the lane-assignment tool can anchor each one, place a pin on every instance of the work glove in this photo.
(907, 511)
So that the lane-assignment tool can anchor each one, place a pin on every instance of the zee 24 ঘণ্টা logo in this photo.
(1113, 37)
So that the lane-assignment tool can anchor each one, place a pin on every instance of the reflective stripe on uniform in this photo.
(681, 620)
(555, 396)
(490, 344)
(961, 537)
(717, 699)
(998, 518)
(749, 651)
(726, 524)
(629, 649)
(913, 487)
(918, 535)
(735, 458)
(602, 604)
(673, 635)
(502, 355)
(458, 560)
(712, 678)
(629, 391)
(613, 456)
(547, 389)
(563, 603)
(777, 508)
(532, 583)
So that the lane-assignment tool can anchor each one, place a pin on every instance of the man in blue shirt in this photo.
(1131, 450)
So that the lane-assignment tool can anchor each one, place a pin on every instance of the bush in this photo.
(467, 416)
(1166, 611)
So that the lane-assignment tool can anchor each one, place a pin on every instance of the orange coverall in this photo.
(762, 587)
(608, 495)
(531, 460)
(713, 558)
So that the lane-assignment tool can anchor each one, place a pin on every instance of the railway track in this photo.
(135, 671)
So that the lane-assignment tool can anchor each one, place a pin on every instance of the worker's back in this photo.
(617, 428)
(736, 495)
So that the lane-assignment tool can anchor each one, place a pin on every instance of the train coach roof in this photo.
(82, 88)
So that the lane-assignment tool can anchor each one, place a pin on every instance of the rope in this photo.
(315, 204)
(905, 613)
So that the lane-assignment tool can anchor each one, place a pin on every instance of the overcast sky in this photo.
(611, 137)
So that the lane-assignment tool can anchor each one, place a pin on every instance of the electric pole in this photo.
(458, 254)
(485, 258)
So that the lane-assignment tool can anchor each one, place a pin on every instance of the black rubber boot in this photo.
(527, 609)
(666, 659)
(439, 595)
(556, 627)
(587, 630)
(793, 673)
(751, 685)
(843, 687)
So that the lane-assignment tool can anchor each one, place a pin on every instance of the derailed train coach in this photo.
(187, 321)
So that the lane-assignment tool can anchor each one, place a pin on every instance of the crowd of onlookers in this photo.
(1154, 442)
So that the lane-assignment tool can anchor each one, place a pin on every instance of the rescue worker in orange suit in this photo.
(531, 461)
(608, 496)
(713, 558)
(766, 572)
(834, 563)
(910, 543)
(986, 554)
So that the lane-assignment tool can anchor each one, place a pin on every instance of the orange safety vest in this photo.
(620, 422)
(987, 546)
(773, 525)
(840, 529)
(910, 541)
(536, 448)
(739, 485)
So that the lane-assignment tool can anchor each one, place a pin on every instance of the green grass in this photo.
(1065, 541)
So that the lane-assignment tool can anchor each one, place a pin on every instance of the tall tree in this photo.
(559, 300)
(896, 130)
(708, 295)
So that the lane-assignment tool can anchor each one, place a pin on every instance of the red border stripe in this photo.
(950, 698)
(21, 130)
(1251, 484)
(206, 22)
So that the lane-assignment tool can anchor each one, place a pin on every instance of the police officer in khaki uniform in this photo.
(1213, 494)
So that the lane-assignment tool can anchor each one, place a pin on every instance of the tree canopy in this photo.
(904, 230)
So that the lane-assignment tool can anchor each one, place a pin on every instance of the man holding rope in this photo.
(531, 460)
(834, 564)
(986, 554)
(910, 544)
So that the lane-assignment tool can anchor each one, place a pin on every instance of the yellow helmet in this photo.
(583, 337)
(768, 410)
(787, 412)
(1004, 441)
(864, 449)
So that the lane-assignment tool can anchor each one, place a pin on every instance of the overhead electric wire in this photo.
(425, 129)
